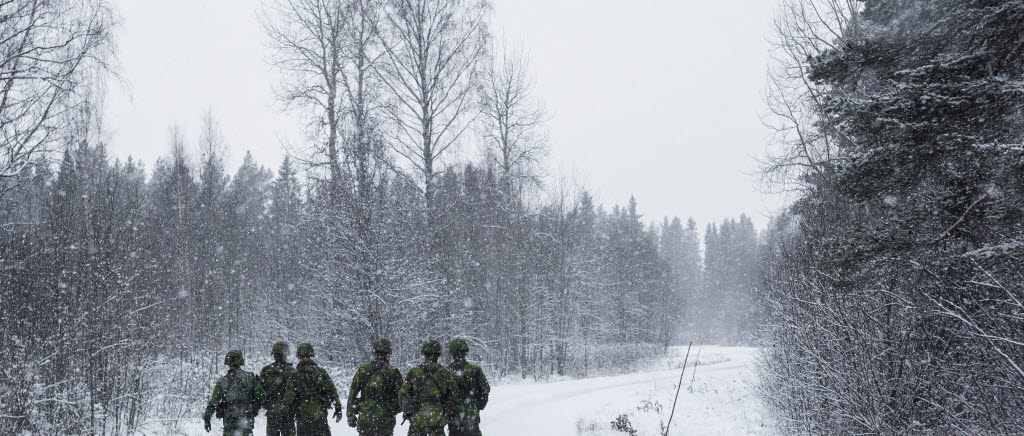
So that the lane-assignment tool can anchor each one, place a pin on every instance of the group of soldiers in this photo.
(296, 399)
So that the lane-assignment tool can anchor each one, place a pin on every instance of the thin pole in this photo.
(678, 388)
(696, 363)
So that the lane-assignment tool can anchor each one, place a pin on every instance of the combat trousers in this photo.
(312, 428)
(280, 425)
(376, 431)
(458, 430)
(238, 426)
(426, 431)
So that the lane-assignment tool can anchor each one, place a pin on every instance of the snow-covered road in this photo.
(720, 402)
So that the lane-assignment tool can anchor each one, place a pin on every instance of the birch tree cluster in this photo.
(892, 287)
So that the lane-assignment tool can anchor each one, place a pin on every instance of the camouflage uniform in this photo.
(310, 392)
(238, 395)
(471, 392)
(373, 397)
(274, 378)
(426, 396)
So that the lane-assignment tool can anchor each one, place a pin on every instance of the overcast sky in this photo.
(656, 98)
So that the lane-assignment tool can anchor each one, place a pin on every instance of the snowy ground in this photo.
(719, 402)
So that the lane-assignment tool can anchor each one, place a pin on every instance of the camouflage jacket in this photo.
(310, 392)
(274, 378)
(427, 395)
(471, 392)
(238, 394)
(373, 396)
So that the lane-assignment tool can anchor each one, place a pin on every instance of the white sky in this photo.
(657, 98)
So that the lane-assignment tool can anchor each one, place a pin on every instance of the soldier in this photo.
(309, 394)
(274, 378)
(426, 395)
(236, 399)
(471, 391)
(373, 398)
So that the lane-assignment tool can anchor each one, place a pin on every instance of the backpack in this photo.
(462, 383)
(430, 399)
(375, 387)
(377, 403)
(465, 411)
(237, 400)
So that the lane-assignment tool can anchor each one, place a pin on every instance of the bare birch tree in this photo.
(307, 37)
(433, 51)
(51, 51)
(513, 120)
(211, 137)
(360, 54)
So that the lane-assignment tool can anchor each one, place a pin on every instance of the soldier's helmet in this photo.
(431, 348)
(458, 345)
(305, 350)
(234, 358)
(382, 346)
(280, 349)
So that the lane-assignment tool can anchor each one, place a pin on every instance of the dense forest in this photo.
(893, 284)
(123, 283)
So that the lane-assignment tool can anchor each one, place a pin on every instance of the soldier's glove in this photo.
(337, 415)
(206, 424)
(351, 421)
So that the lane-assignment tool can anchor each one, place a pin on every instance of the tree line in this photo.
(122, 285)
